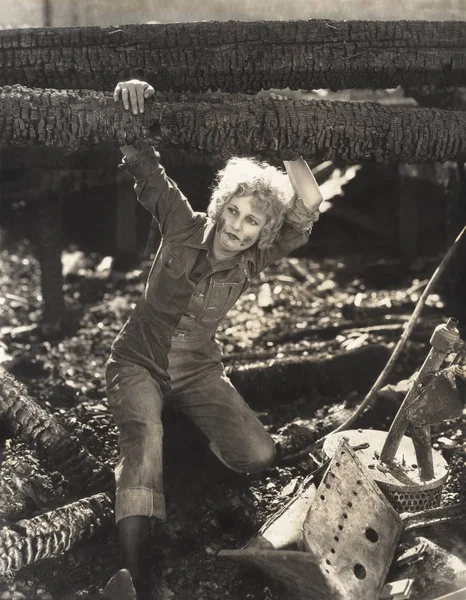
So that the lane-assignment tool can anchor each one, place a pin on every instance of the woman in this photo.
(166, 352)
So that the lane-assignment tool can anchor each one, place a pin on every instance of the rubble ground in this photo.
(298, 307)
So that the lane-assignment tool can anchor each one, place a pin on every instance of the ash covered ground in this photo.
(316, 307)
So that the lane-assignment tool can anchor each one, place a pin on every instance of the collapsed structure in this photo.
(184, 61)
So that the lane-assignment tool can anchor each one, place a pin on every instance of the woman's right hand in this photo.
(132, 94)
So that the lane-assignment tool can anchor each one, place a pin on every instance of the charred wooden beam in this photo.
(52, 533)
(23, 485)
(239, 56)
(226, 125)
(26, 419)
(285, 379)
(35, 426)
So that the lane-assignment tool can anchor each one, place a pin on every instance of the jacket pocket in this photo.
(164, 282)
(221, 297)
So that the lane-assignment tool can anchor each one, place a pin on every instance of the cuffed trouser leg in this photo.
(136, 402)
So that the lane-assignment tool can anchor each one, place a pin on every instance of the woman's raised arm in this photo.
(304, 183)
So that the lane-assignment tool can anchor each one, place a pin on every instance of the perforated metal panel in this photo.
(352, 527)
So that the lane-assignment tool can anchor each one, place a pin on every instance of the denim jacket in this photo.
(185, 295)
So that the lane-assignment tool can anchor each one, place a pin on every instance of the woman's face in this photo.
(238, 228)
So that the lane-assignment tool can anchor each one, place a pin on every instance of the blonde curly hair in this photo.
(270, 187)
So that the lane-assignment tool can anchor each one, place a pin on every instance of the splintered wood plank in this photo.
(352, 527)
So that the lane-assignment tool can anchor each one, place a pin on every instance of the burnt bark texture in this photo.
(238, 56)
(284, 380)
(52, 533)
(224, 125)
(32, 424)
(23, 485)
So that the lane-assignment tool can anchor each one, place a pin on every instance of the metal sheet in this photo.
(352, 527)
(403, 474)
(286, 528)
(438, 401)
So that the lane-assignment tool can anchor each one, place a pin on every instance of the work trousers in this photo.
(199, 390)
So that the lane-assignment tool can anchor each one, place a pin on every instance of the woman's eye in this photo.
(231, 209)
(251, 221)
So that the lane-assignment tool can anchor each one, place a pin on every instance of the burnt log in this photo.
(23, 485)
(53, 533)
(286, 379)
(239, 56)
(35, 426)
(226, 125)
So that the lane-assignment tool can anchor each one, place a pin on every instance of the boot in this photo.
(134, 536)
(120, 587)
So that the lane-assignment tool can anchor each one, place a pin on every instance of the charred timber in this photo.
(32, 424)
(238, 56)
(23, 485)
(286, 379)
(225, 125)
(53, 533)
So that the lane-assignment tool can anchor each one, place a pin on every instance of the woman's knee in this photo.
(261, 458)
(252, 459)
